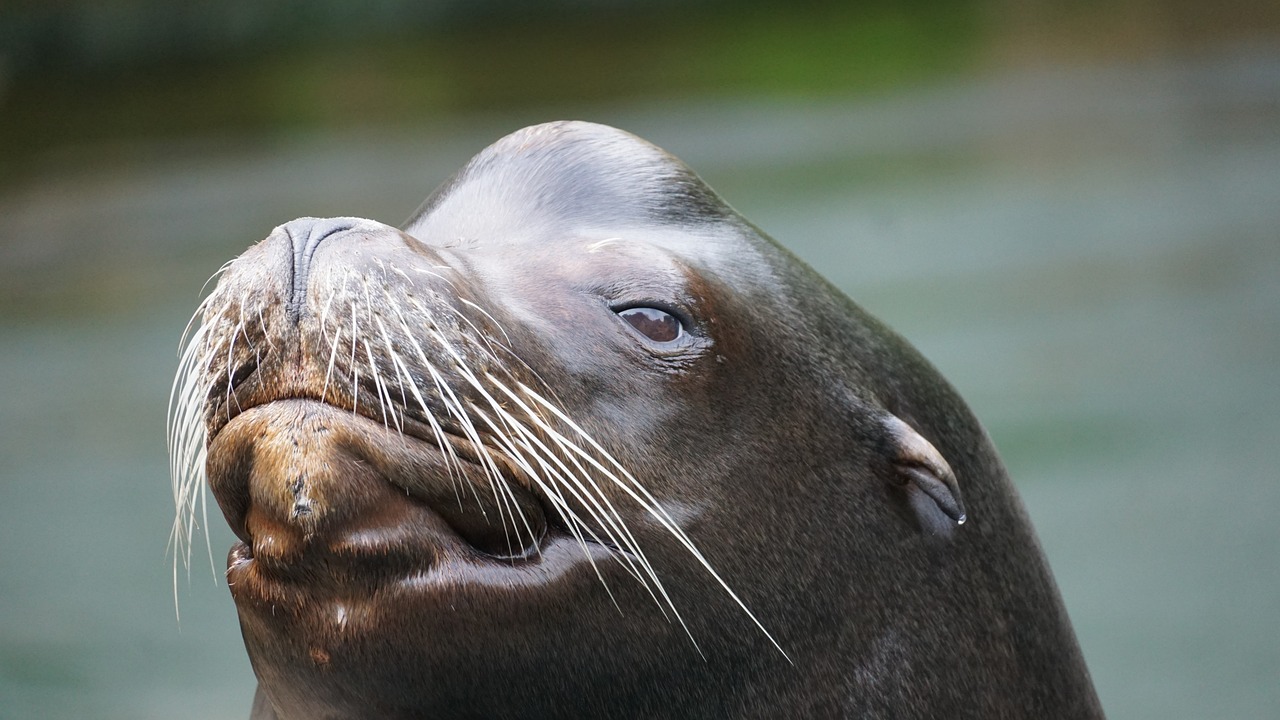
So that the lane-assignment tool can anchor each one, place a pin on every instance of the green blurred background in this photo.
(1072, 208)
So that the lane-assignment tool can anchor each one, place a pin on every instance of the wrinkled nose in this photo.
(305, 235)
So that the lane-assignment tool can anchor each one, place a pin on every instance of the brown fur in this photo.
(817, 461)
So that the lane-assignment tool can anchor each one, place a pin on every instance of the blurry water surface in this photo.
(1091, 255)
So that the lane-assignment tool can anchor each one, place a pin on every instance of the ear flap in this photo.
(927, 478)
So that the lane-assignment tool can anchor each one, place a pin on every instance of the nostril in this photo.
(305, 235)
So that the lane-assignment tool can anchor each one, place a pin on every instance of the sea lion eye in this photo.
(657, 325)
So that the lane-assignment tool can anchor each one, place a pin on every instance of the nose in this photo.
(305, 235)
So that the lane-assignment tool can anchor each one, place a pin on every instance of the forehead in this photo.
(718, 250)
(720, 254)
(567, 175)
(581, 192)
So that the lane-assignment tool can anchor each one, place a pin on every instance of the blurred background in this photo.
(1072, 208)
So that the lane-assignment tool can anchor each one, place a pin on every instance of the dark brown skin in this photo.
(817, 461)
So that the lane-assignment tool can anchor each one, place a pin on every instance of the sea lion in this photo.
(580, 441)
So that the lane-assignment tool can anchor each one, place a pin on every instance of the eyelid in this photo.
(673, 310)
(655, 324)
(688, 346)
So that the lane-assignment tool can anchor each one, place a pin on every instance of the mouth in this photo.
(323, 497)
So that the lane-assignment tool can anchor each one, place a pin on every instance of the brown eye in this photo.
(655, 324)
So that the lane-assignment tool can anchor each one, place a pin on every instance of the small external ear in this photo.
(927, 478)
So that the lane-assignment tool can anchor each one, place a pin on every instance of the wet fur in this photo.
(819, 571)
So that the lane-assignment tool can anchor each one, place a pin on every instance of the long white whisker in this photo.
(491, 414)
(492, 319)
(185, 437)
(508, 495)
(355, 369)
(574, 524)
(479, 387)
(545, 477)
(395, 365)
(451, 458)
(328, 303)
(588, 492)
(333, 358)
(646, 500)
(444, 392)
(464, 422)
(384, 397)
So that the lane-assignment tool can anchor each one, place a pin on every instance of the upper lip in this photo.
(427, 488)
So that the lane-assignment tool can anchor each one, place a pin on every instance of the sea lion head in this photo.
(579, 439)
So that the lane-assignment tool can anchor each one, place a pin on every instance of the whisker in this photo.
(333, 358)
(589, 493)
(479, 387)
(455, 410)
(355, 369)
(641, 495)
(482, 405)
(395, 365)
(384, 398)
(492, 319)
